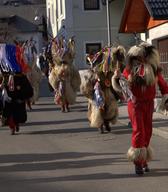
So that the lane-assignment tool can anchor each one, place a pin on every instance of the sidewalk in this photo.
(160, 122)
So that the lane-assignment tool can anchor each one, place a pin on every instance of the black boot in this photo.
(107, 127)
(146, 168)
(12, 131)
(17, 128)
(139, 170)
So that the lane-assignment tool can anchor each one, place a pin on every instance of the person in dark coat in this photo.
(16, 90)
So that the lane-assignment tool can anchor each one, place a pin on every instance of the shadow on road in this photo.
(21, 158)
(100, 176)
(33, 162)
(55, 122)
(63, 131)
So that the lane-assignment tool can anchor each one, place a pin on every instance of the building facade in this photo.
(86, 20)
(17, 21)
(150, 21)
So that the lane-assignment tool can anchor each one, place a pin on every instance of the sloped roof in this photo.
(21, 2)
(18, 23)
(158, 9)
(139, 15)
(24, 17)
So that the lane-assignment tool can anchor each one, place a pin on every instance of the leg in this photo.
(17, 127)
(101, 129)
(107, 126)
(28, 102)
(12, 125)
(62, 107)
(67, 107)
(137, 153)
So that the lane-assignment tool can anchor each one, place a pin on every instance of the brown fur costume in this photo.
(102, 73)
(64, 77)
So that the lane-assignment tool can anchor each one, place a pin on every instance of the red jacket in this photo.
(148, 92)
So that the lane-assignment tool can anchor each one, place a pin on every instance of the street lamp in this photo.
(107, 2)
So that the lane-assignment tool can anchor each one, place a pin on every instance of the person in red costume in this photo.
(143, 73)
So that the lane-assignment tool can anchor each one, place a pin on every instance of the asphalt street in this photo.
(59, 152)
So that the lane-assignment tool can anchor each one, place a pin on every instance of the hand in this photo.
(117, 73)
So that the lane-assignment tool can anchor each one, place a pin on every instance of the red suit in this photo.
(140, 110)
(143, 73)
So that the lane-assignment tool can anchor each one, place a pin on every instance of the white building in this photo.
(86, 20)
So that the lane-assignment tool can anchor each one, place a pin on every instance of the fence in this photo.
(164, 65)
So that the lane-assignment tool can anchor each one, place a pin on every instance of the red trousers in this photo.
(140, 114)
(11, 123)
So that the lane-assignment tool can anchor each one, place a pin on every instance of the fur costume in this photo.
(143, 72)
(64, 77)
(96, 86)
(35, 77)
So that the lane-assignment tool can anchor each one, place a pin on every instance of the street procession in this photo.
(90, 71)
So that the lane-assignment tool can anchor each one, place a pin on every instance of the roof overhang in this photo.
(7, 19)
(136, 18)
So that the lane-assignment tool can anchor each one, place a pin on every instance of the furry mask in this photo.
(143, 61)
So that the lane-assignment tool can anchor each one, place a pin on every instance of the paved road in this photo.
(58, 152)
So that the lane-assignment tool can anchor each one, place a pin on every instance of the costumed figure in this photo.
(15, 86)
(16, 90)
(96, 86)
(142, 74)
(64, 76)
(35, 74)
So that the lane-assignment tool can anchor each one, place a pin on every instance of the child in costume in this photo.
(143, 73)
(97, 87)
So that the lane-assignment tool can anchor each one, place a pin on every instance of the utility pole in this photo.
(108, 23)
(106, 3)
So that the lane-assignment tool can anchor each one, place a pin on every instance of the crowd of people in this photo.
(113, 75)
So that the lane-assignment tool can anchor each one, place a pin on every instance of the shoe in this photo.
(146, 168)
(107, 127)
(17, 128)
(67, 109)
(139, 170)
(13, 132)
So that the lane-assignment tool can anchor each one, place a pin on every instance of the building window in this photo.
(52, 14)
(91, 4)
(61, 8)
(162, 45)
(92, 48)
